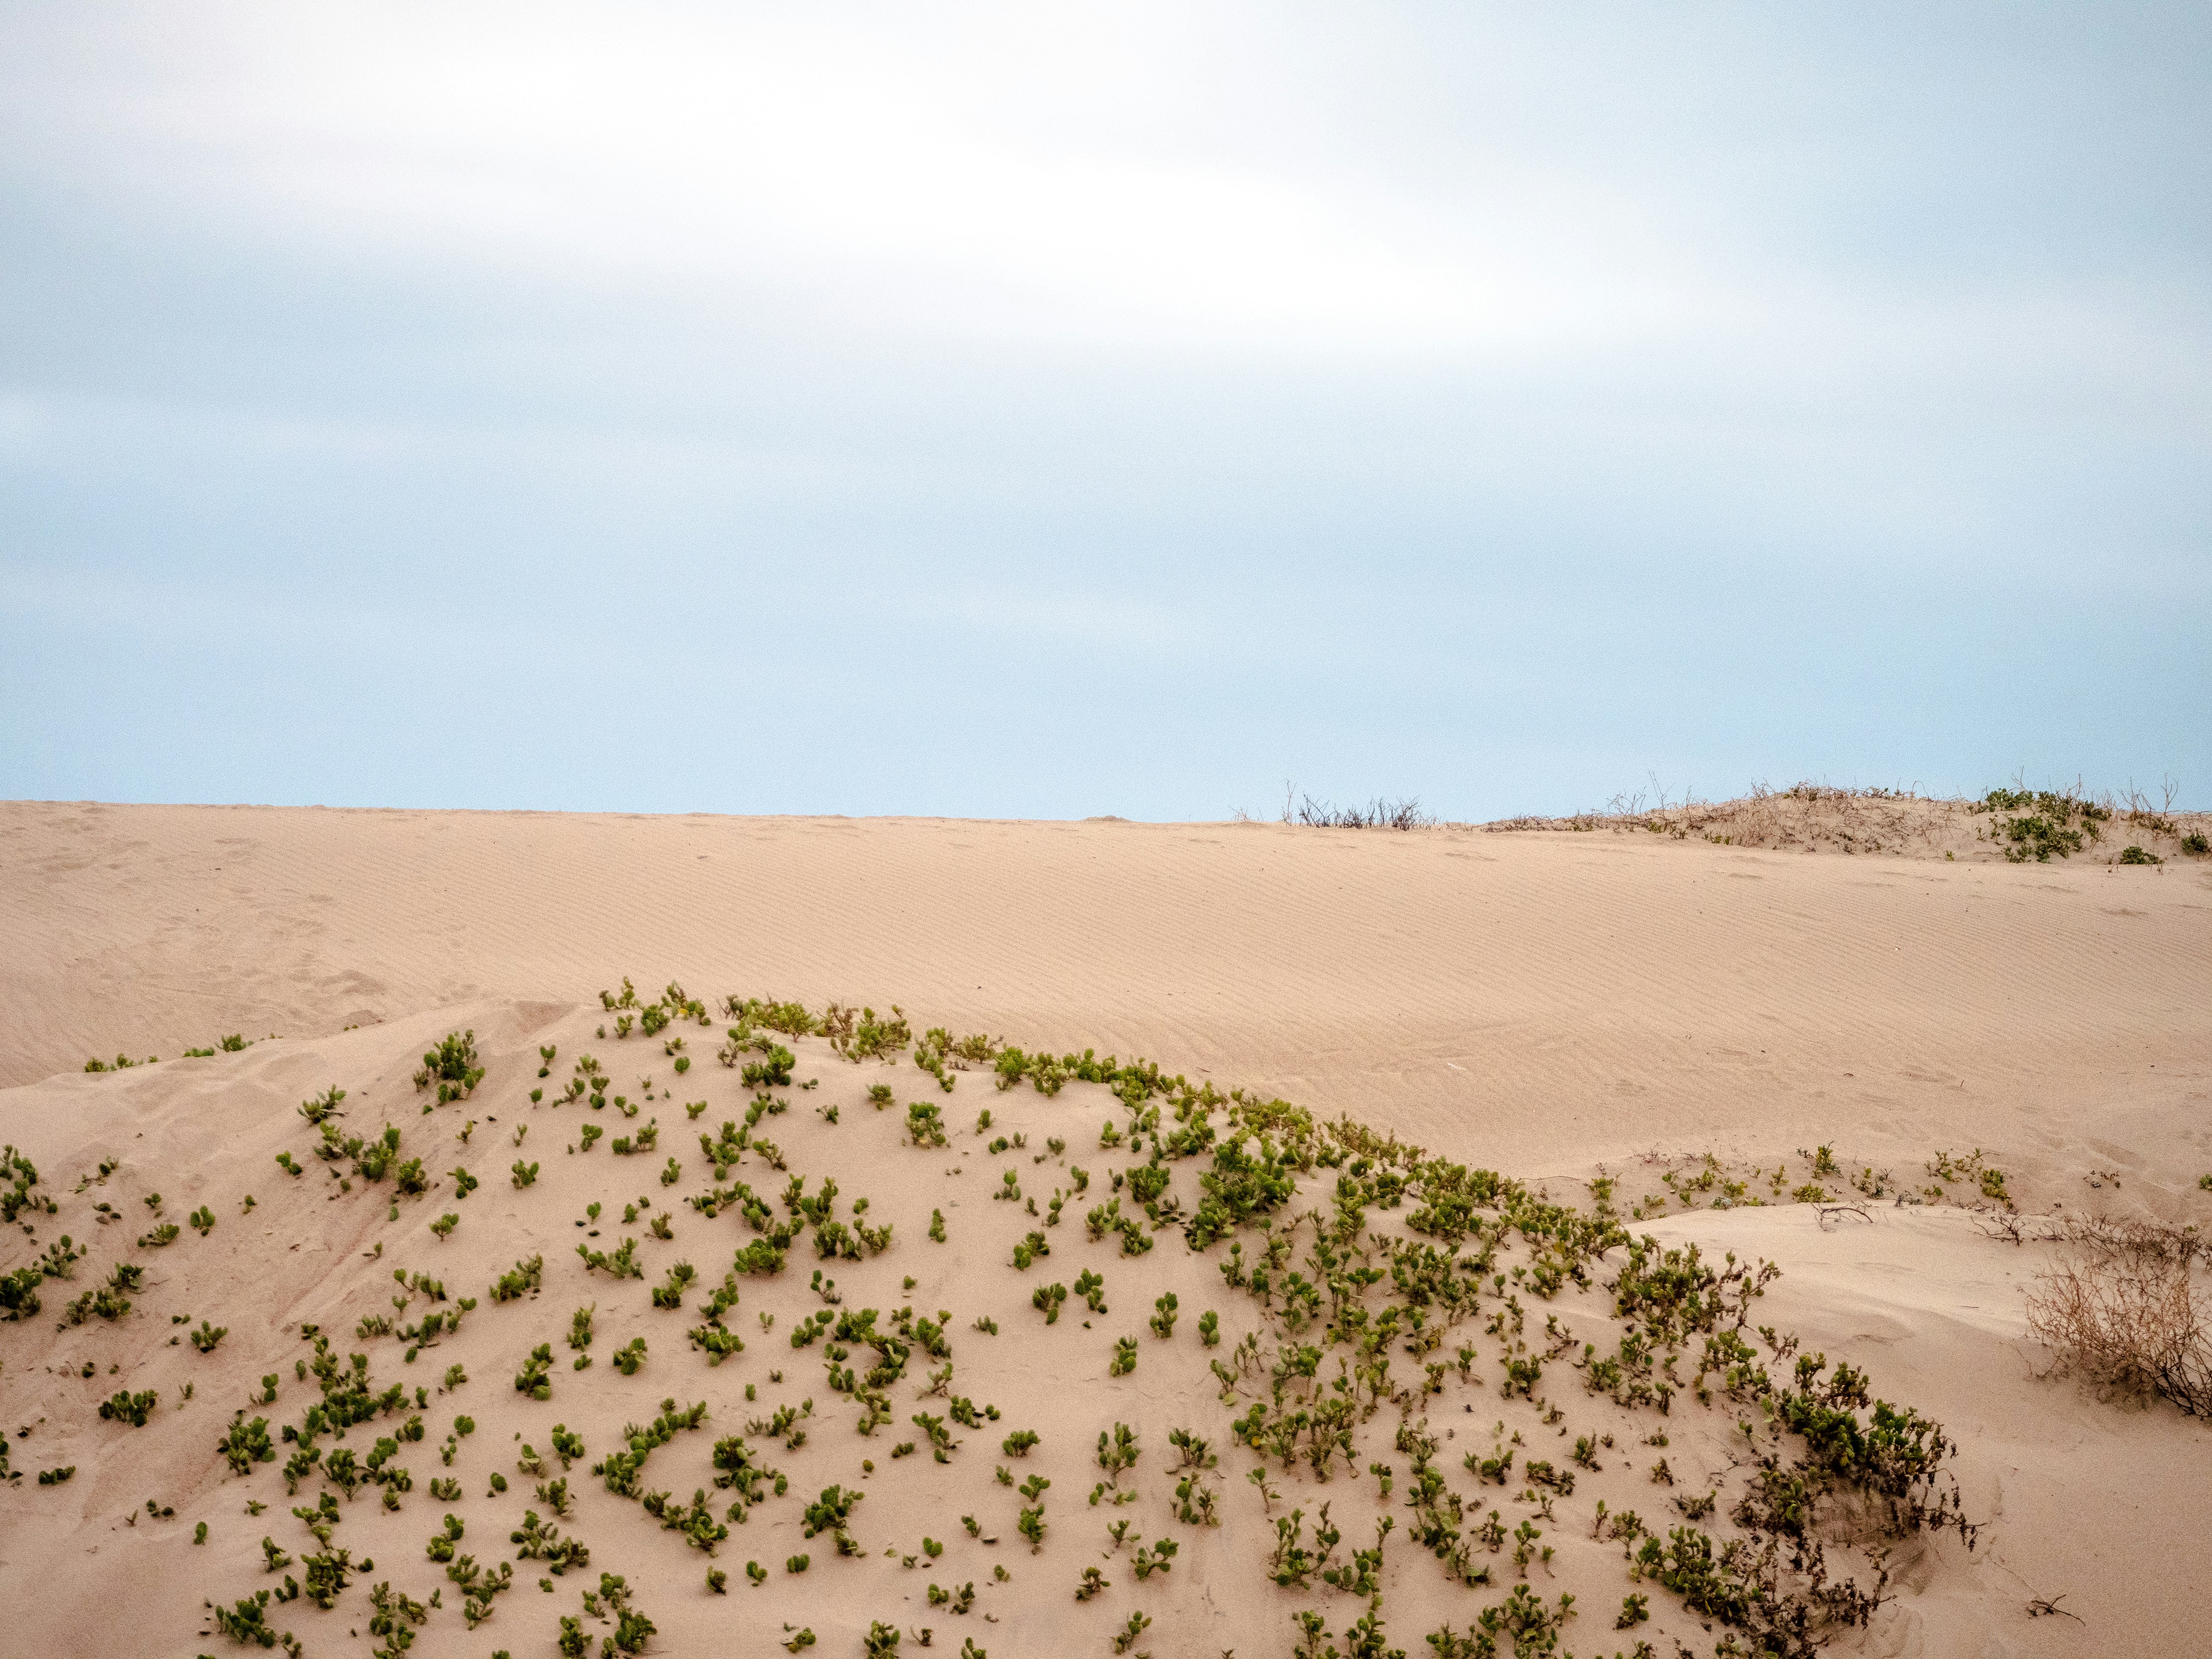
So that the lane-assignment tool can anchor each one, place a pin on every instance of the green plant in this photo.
(1293, 1561)
(1163, 1315)
(525, 1174)
(111, 1301)
(208, 1336)
(441, 1547)
(538, 1541)
(131, 1408)
(670, 1294)
(1118, 1450)
(533, 1379)
(633, 1630)
(2046, 830)
(453, 1066)
(1125, 1357)
(830, 1512)
(1145, 1562)
(773, 1072)
(620, 1263)
(203, 1219)
(245, 1622)
(523, 1278)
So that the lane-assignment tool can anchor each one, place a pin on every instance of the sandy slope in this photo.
(2091, 1502)
(1538, 1003)
(1534, 1001)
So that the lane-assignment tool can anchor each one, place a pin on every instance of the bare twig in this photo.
(2017, 1230)
(1379, 814)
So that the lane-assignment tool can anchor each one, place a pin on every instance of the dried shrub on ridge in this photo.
(2126, 1315)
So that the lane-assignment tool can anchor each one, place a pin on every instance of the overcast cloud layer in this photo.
(1059, 409)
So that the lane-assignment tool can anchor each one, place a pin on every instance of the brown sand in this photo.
(1546, 1004)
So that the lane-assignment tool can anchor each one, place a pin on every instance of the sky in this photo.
(1069, 409)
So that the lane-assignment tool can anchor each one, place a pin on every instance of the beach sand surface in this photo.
(1556, 1005)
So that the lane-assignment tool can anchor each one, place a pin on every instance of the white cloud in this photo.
(1050, 176)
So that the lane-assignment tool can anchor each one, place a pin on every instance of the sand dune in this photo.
(1536, 1001)
(1546, 1005)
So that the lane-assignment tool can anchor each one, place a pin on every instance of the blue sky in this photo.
(1053, 411)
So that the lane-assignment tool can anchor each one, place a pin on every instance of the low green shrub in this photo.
(453, 1066)
(131, 1408)
(523, 1278)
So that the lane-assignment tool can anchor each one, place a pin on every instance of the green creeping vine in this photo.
(1374, 1273)
(620, 1470)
